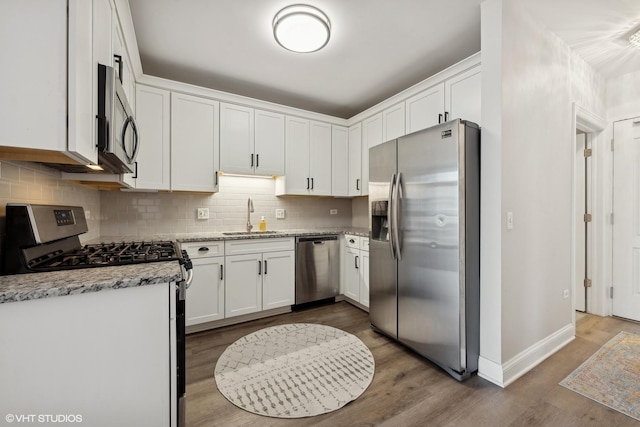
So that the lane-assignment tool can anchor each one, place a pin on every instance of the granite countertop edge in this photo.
(32, 286)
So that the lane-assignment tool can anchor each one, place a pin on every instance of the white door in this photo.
(626, 219)
(297, 156)
(236, 139)
(355, 160)
(205, 297)
(425, 109)
(363, 266)
(579, 224)
(269, 142)
(371, 136)
(194, 134)
(278, 279)
(320, 158)
(339, 161)
(393, 122)
(462, 100)
(351, 261)
(243, 284)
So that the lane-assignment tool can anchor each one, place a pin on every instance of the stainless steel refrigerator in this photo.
(424, 195)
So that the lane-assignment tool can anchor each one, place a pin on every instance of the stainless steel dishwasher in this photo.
(317, 268)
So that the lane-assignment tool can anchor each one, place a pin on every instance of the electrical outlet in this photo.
(333, 211)
(203, 213)
(280, 213)
(565, 294)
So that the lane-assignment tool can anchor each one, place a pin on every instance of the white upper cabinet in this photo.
(462, 92)
(194, 140)
(269, 143)
(251, 141)
(355, 160)
(153, 164)
(425, 109)
(54, 47)
(340, 161)
(121, 63)
(393, 122)
(371, 136)
(308, 158)
(236, 139)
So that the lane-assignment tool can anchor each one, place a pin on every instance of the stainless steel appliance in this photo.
(317, 268)
(424, 193)
(42, 238)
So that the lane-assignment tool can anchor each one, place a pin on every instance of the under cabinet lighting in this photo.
(221, 173)
(301, 28)
(95, 167)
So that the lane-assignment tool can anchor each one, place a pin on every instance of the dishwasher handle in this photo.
(316, 240)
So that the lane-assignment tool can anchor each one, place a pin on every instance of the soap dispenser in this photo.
(263, 224)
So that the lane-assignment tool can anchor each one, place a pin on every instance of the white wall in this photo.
(146, 214)
(530, 80)
(623, 97)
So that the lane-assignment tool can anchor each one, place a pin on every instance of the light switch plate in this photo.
(509, 220)
(203, 213)
(280, 213)
(333, 211)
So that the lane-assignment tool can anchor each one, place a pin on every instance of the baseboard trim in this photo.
(523, 362)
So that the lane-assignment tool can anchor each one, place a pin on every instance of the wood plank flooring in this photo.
(407, 390)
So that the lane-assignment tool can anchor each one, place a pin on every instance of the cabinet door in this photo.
(194, 133)
(339, 161)
(236, 139)
(205, 297)
(243, 284)
(371, 136)
(462, 99)
(364, 278)
(393, 122)
(351, 262)
(154, 157)
(297, 156)
(269, 145)
(355, 160)
(320, 158)
(278, 279)
(425, 109)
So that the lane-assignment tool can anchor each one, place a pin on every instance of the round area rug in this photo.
(293, 371)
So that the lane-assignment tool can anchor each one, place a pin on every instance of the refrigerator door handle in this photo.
(396, 216)
(390, 216)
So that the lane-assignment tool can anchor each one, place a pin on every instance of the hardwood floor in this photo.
(407, 390)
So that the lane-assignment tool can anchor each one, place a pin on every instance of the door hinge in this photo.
(611, 292)
(587, 283)
(587, 217)
(588, 152)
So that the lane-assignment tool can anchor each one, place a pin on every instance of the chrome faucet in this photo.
(249, 210)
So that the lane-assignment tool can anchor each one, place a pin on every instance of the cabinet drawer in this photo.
(352, 241)
(197, 250)
(252, 246)
(364, 244)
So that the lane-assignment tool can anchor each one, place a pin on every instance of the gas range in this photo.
(45, 238)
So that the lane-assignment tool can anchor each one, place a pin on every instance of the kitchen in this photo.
(514, 334)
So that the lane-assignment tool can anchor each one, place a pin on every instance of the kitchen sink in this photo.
(248, 233)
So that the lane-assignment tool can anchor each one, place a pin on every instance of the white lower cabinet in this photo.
(205, 297)
(355, 269)
(260, 275)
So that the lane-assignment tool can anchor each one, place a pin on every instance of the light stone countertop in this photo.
(23, 287)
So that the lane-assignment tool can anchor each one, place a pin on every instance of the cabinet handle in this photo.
(257, 160)
(351, 241)
(265, 267)
(203, 249)
(221, 272)
(358, 184)
(251, 159)
(446, 116)
(259, 268)
(118, 59)
(312, 183)
(216, 174)
(307, 183)
(439, 118)
(356, 259)
(135, 173)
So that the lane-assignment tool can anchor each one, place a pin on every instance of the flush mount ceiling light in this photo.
(301, 28)
(634, 39)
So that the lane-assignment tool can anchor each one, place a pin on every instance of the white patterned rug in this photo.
(295, 370)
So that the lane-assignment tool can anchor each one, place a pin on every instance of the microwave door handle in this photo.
(134, 149)
(136, 139)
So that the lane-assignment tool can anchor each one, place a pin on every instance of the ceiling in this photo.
(377, 47)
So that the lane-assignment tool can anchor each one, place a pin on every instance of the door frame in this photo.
(593, 126)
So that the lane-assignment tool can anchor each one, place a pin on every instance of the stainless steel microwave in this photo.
(118, 136)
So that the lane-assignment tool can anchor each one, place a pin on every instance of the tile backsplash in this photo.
(144, 214)
(26, 182)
